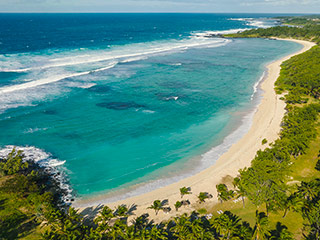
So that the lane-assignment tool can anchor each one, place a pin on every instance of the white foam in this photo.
(171, 98)
(5, 106)
(255, 86)
(15, 70)
(48, 80)
(134, 59)
(31, 153)
(148, 111)
(55, 163)
(241, 19)
(256, 22)
(47, 69)
(88, 85)
(134, 52)
(32, 130)
(215, 153)
(28, 97)
(208, 34)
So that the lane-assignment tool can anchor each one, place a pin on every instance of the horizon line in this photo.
(306, 13)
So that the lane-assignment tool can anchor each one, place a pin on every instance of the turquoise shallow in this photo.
(117, 100)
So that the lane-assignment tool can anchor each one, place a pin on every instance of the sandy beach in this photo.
(266, 124)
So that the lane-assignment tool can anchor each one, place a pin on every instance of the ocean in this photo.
(121, 104)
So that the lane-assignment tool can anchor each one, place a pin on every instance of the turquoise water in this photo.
(131, 113)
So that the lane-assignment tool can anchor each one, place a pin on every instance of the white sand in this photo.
(266, 124)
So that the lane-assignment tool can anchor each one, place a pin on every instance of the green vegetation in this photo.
(300, 76)
(28, 195)
(308, 32)
(50, 220)
(274, 178)
(308, 29)
(318, 165)
(265, 182)
(223, 193)
(300, 21)
(264, 141)
(185, 191)
(178, 205)
(156, 206)
(202, 197)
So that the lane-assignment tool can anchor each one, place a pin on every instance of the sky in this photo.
(205, 6)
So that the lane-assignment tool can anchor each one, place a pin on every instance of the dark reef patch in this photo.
(71, 136)
(100, 89)
(50, 112)
(119, 105)
(173, 84)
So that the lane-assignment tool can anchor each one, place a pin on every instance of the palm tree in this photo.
(129, 234)
(156, 206)
(285, 235)
(93, 234)
(240, 192)
(308, 190)
(69, 227)
(142, 222)
(177, 205)
(103, 219)
(185, 191)
(106, 214)
(121, 211)
(293, 202)
(119, 229)
(226, 224)
(199, 231)
(202, 196)
(261, 229)
(317, 167)
(144, 234)
(244, 231)
(223, 193)
(157, 232)
(181, 229)
(312, 214)
(281, 233)
(222, 187)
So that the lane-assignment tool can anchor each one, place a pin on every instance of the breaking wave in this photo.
(257, 22)
(48, 162)
(126, 53)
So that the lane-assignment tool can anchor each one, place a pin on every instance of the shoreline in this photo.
(265, 124)
(201, 161)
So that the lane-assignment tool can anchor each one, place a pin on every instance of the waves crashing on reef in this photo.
(45, 160)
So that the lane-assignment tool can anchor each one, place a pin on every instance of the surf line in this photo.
(121, 58)
(40, 82)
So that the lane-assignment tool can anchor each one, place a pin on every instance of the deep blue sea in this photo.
(131, 101)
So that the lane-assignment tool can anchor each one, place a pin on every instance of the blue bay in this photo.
(124, 99)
